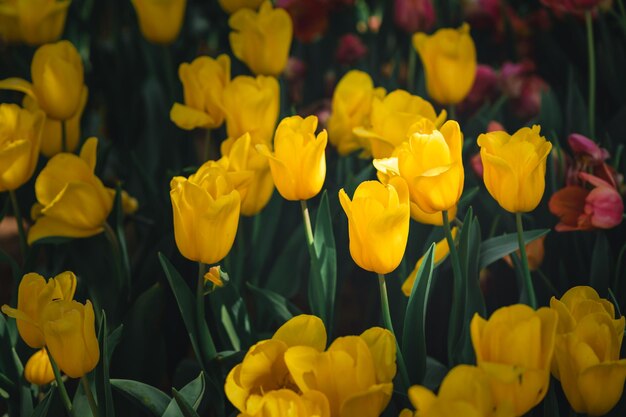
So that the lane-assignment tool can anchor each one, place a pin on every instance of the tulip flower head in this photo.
(38, 369)
(414, 15)
(378, 224)
(515, 167)
(33, 295)
(262, 40)
(231, 6)
(449, 59)
(298, 163)
(20, 139)
(514, 348)
(204, 81)
(160, 20)
(33, 22)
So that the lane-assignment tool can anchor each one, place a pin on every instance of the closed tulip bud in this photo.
(71, 200)
(514, 348)
(38, 369)
(34, 22)
(160, 20)
(298, 163)
(241, 156)
(465, 391)
(70, 333)
(52, 136)
(378, 224)
(20, 139)
(251, 106)
(33, 294)
(206, 212)
(203, 81)
(515, 167)
(231, 6)
(355, 373)
(449, 59)
(261, 40)
(351, 107)
(391, 119)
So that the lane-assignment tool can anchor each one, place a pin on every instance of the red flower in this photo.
(414, 15)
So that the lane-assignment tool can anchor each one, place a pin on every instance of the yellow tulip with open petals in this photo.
(378, 224)
(298, 163)
(71, 200)
(449, 59)
(285, 402)
(70, 334)
(515, 167)
(204, 80)
(160, 20)
(514, 348)
(262, 39)
(33, 22)
(20, 140)
(33, 295)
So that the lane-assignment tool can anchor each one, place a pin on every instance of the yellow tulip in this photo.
(298, 163)
(351, 107)
(465, 391)
(514, 348)
(587, 349)
(33, 21)
(284, 402)
(160, 20)
(70, 334)
(20, 139)
(261, 40)
(391, 118)
(203, 81)
(38, 369)
(355, 378)
(442, 249)
(51, 138)
(57, 74)
(243, 157)
(231, 6)
(378, 224)
(449, 60)
(251, 106)
(71, 200)
(515, 167)
(33, 295)
(206, 211)
(263, 368)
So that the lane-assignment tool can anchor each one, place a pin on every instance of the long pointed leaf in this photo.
(148, 397)
(500, 246)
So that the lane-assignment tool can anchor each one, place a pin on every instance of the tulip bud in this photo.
(350, 50)
(38, 369)
(160, 20)
(34, 22)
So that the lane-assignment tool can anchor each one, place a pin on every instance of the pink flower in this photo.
(414, 15)
(483, 89)
(589, 157)
(350, 49)
(577, 7)
(523, 87)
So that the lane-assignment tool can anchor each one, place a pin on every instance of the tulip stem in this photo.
(117, 255)
(458, 301)
(205, 337)
(89, 395)
(384, 304)
(63, 136)
(592, 73)
(451, 112)
(20, 224)
(532, 298)
(62, 391)
(308, 229)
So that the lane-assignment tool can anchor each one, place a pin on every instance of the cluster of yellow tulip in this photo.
(293, 373)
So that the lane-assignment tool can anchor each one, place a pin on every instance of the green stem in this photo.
(89, 394)
(308, 229)
(62, 391)
(20, 224)
(384, 305)
(457, 298)
(202, 268)
(451, 112)
(63, 136)
(117, 254)
(548, 283)
(532, 298)
(411, 69)
(592, 73)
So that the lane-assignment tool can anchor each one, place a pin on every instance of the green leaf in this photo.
(186, 305)
(230, 308)
(121, 239)
(191, 393)
(601, 264)
(279, 308)
(103, 385)
(323, 277)
(435, 373)
(497, 247)
(414, 331)
(150, 398)
(184, 406)
(42, 408)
